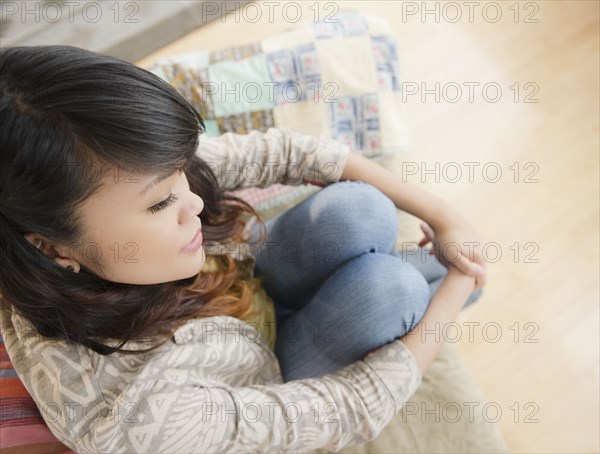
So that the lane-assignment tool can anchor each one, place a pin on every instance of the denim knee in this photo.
(410, 288)
(399, 295)
(356, 202)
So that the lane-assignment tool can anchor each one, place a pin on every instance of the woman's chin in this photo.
(199, 260)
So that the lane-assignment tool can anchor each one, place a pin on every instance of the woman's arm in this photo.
(424, 340)
(460, 242)
(276, 156)
(405, 196)
(178, 410)
(177, 400)
(285, 156)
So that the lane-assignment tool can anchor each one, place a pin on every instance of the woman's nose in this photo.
(192, 210)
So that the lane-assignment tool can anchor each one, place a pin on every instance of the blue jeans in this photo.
(339, 286)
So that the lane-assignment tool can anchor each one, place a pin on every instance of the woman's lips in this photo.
(195, 244)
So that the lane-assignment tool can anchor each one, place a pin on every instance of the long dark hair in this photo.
(61, 105)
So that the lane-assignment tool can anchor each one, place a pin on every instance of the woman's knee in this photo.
(406, 288)
(368, 302)
(398, 295)
(355, 203)
(355, 195)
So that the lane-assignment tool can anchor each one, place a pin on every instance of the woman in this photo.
(130, 336)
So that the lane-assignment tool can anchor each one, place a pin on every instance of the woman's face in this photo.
(136, 240)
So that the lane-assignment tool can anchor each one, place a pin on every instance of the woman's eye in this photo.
(164, 204)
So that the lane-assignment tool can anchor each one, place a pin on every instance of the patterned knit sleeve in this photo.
(350, 406)
(277, 156)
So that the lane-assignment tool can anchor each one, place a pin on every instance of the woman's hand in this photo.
(457, 244)
(453, 233)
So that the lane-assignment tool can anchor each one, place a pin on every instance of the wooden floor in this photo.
(535, 338)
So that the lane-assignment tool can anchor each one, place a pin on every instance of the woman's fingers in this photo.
(468, 267)
(472, 267)
(427, 230)
(429, 234)
(480, 280)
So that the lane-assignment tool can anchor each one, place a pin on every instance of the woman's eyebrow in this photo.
(153, 183)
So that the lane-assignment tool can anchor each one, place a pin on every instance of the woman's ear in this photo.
(50, 251)
(34, 239)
